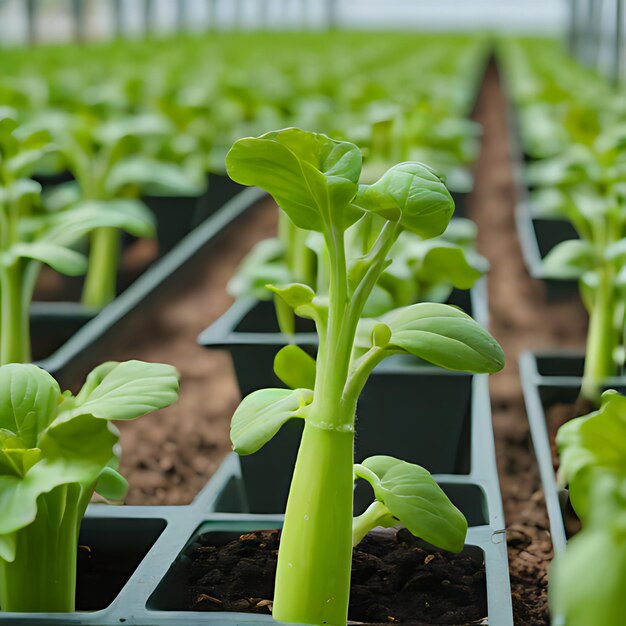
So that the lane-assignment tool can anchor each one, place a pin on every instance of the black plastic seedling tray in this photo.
(549, 378)
(148, 591)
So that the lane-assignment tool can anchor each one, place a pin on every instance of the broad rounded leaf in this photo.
(444, 336)
(448, 263)
(124, 391)
(295, 294)
(412, 194)
(295, 367)
(261, 414)
(313, 178)
(413, 497)
(29, 397)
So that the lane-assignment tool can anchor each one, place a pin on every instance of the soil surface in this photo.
(395, 580)
(521, 319)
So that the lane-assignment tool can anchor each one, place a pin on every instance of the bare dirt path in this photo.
(521, 319)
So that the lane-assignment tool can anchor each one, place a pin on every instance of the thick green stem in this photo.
(101, 279)
(42, 578)
(314, 561)
(14, 327)
(599, 361)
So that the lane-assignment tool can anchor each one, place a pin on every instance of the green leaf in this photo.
(448, 263)
(295, 294)
(111, 484)
(412, 194)
(153, 177)
(261, 414)
(129, 215)
(312, 178)
(29, 397)
(569, 260)
(124, 391)
(61, 259)
(444, 336)
(416, 500)
(295, 367)
(590, 443)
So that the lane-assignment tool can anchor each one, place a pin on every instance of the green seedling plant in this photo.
(111, 161)
(56, 450)
(32, 234)
(593, 465)
(592, 197)
(315, 181)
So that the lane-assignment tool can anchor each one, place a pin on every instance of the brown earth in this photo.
(521, 319)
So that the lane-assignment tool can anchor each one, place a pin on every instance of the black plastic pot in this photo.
(549, 378)
(149, 546)
(538, 235)
(178, 215)
(75, 329)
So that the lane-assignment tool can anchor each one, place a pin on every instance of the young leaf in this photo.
(570, 259)
(312, 178)
(111, 484)
(28, 398)
(123, 391)
(413, 497)
(57, 257)
(295, 367)
(412, 194)
(444, 336)
(261, 414)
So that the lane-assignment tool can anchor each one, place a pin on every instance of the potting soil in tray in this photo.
(395, 580)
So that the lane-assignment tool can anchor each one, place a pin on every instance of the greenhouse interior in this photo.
(232, 229)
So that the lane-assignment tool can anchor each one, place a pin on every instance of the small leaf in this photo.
(413, 497)
(261, 414)
(444, 336)
(111, 484)
(61, 259)
(295, 367)
(29, 397)
(412, 194)
(295, 294)
(569, 260)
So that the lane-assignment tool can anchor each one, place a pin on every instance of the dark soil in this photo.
(395, 580)
(521, 319)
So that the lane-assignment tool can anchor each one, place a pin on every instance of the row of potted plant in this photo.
(571, 178)
(354, 264)
(106, 136)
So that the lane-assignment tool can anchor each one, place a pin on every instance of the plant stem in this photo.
(42, 578)
(599, 363)
(101, 279)
(314, 561)
(376, 514)
(14, 327)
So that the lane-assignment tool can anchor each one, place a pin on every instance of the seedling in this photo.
(56, 450)
(314, 179)
(31, 236)
(593, 465)
(593, 198)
